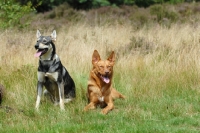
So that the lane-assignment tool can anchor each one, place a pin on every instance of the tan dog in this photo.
(100, 90)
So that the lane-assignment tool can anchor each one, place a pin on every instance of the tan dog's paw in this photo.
(123, 97)
(104, 111)
(89, 106)
(85, 109)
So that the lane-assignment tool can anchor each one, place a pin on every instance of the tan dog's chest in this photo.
(106, 92)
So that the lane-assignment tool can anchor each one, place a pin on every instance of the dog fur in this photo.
(51, 73)
(99, 89)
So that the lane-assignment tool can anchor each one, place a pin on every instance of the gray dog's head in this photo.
(44, 45)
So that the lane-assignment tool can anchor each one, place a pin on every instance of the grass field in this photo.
(157, 69)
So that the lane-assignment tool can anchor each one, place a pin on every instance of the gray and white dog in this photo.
(51, 73)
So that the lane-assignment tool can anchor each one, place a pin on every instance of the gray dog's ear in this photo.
(53, 35)
(38, 34)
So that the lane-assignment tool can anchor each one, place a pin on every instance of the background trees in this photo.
(46, 5)
(12, 11)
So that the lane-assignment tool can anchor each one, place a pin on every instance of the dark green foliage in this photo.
(163, 13)
(145, 3)
(89, 4)
(42, 5)
(46, 5)
(11, 13)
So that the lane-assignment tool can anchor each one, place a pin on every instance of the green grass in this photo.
(171, 107)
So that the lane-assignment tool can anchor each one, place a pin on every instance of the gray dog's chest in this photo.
(48, 70)
(45, 66)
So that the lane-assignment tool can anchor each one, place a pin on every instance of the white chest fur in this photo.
(52, 76)
(101, 99)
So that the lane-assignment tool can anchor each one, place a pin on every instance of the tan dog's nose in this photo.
(106, 72)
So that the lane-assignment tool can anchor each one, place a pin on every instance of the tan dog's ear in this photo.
(111, 58)
(95, 57)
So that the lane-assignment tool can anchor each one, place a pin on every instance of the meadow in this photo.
(157, 69)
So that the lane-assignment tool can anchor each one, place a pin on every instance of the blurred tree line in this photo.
(46, 5)
(12, 11)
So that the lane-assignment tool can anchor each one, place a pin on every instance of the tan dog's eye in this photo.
(101, 66)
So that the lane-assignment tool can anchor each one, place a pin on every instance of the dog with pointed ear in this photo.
(100, 90)
(53, 35)
(52, 75)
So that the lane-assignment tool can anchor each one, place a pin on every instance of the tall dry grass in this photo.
(159, 50)
(156, 68)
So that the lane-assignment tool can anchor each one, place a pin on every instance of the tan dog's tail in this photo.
(115, 94)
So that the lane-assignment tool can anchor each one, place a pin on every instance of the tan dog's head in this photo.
(103, 69)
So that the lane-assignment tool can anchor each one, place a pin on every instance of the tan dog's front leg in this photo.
(91, 105)
(93, 101)
(109, 106)
(95, 92)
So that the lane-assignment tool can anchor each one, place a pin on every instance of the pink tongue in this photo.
(105, 79)
(38, 54)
